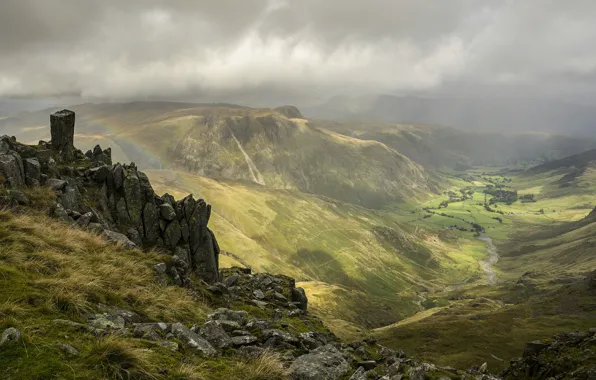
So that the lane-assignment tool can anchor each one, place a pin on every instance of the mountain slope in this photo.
(259, 145)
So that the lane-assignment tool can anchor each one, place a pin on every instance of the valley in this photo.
(456, 247)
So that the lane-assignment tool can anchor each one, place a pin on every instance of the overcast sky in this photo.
(219, 50)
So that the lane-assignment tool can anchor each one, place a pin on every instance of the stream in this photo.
(492, 259)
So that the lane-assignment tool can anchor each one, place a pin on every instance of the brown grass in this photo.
(266, 366)
(118, 359)
(78, 269)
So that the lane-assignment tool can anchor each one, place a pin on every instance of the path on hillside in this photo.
(492, 259)
(254, 172)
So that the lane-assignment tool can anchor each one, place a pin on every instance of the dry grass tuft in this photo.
(190, 372)
(266, 366)
(118, 359)
(11, 308)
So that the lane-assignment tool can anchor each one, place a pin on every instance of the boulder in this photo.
(119, 238)
(32, 169)
(215, 334)
(239, 316)
(192, 340)
(11, 168)
(61, 213)
(243, 340)
(324, 363)
(299, 296)
(67, 349)
(172, 234)
(56, 184)
(85, 219)
(70, 197)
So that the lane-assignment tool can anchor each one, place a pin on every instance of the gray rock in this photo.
(68, 349)
(85, 219)
(419, 373)
(232, 280)
(534, 348)
(309, 340)
(204, 248)
(134, 236)
(70, 198)
(32, 171)
(483, 368)
(280, 335)
(360, 374)
(134, 201)
(100, 173)
(172, 346)
(118, 176)
(150, 223)
(324, 363)
(150, 331)
(10, 334)
(122, 213)
(259, 294)
(298, 295)
(11, 168)
(229, 326)
(243, 340)
(19, 197)
(251, 351)
(61, 213)
(239, 316)
(119, 238)
(192, 340)
(56, 184)
(215, 334)
(172, 234)
(167, 212)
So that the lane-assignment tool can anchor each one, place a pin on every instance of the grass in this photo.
(117, 358)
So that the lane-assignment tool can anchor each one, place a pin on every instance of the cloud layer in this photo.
(222, 49)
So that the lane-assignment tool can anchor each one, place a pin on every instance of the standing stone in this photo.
(118, 175)
(62, 124)
(202, 243)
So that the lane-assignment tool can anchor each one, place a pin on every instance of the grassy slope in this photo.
(339, 247)
(51, 271)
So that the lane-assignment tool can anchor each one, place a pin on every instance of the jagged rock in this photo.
(167, 212)
(232, 280)
(280, 335)
(56, 184)
(132, 196)
(259, 294)
(172, 234)
(119, 238)
(192, 340)
(483, 368)
(134, 236)
(122, 213)
(151, 223)
(360, 374)
(324, 363)
(243, 340)
(61, 213)
(32, 169)
(10, 334)
(113, 312)
(251, 351)
(184, 230)
(68, 349)
(84, 220)
(100, 173)
(309, 340)
(70, 198)
(299, 296)
(118, 176)
(419, 373)
(215, 334)
(204, 248)
(62, 124)
(228, 326)
(11, 168)
(239, 316)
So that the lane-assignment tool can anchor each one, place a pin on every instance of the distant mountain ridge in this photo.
(475, 114)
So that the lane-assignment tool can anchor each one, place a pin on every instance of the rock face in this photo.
(116, 198)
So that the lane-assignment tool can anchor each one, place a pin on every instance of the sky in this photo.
(218, 50)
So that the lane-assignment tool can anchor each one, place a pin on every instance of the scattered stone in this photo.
(239, 316)
(243, 340)
(10, 334)
(215, 334)
(19, 197)
(84, 220)
(299, 296)
(259, 294)
(172, 346)
(119, 238)
(192, 340)
(68, 349)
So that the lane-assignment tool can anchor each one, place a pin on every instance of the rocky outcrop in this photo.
(117, 199)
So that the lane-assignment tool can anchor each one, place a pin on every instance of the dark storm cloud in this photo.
(149, 48)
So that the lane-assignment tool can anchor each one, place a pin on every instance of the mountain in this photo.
(264, 146)
(473, 114)
(448, 148)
